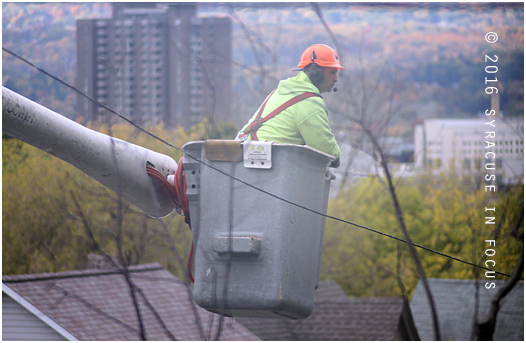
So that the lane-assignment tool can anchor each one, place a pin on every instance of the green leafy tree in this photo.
(54, 215)
(441, 213)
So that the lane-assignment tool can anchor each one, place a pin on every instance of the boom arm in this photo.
(118, 165)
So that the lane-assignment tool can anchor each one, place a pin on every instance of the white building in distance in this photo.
(472, 146)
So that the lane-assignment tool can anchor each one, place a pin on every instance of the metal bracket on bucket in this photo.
(237, 245)
(257, 154)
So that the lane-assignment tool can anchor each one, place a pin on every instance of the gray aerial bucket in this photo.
(256, 255)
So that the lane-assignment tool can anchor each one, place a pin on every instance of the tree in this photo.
(41, 227)
(67, 215)
(365, 117)
(442, 213)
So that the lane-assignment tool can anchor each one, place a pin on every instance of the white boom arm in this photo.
(119, 165)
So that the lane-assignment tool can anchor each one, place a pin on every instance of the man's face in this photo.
(330, 77)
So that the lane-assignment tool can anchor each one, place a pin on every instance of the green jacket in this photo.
(306, 122)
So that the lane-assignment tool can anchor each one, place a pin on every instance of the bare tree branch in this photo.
(156, 314)
(399, 216)
(486, 328)
(229, 258)
(120, 251)
(253, 45)
(92, 307)
(187, 281)
(372, 131)
(316, 7)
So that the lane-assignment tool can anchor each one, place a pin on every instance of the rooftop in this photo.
(455, 303)
(338, 317)
(96, 305)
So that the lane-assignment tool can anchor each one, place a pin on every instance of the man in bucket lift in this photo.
(303, 116)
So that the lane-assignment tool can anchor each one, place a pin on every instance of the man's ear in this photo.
(316, 74)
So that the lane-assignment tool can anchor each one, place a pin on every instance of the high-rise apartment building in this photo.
(155, 61)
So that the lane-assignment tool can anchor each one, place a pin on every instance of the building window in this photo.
(498, 163)
(466, 165)
(477, 163)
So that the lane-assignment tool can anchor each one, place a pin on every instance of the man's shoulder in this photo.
(314, 103)
(298, 84)
(308, 109)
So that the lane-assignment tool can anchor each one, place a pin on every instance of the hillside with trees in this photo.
(437, 49)
(44, 34)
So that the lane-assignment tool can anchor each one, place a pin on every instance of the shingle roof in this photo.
(455, 303)
(269, 329)
(338, 317)
(96, 305)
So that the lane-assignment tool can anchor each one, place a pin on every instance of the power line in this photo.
(244, 182)
(89, 98)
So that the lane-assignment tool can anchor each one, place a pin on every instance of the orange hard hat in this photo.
(321, 54)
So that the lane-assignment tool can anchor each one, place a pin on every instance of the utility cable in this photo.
(348, 222)
(244, 182)
(89, 98)
(177, 193)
